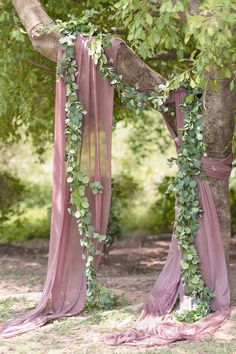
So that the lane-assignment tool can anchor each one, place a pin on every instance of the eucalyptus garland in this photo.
(188, 206)
(77, 177)
(188, 161)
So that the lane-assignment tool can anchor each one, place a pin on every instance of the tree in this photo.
(193, 38)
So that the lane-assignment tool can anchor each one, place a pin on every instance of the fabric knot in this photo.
(217, 168)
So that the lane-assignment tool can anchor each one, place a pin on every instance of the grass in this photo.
(12, 306)
(80, 334)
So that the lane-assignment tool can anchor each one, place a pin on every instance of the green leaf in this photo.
(197, 163)
(90, 258)
(195, 210)
(210, 31)
(192, 83)
(231, 86)
(195, 279)
(77, 214)
(70, 179)
(179, 6)
(85, 179)
(85, 204)
(192, 184)
(184, 265)
(187, 230)
(17, 35)
(167, 6)
(81, 191)
(149, 19)
(180, 185)
(228, 73)
(189, 98)
(199, 136)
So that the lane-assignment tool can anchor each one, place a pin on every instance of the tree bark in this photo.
(35, 19)
(218, 116)
(219, 128)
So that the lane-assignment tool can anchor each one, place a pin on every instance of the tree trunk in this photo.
(219, 128)
(218, 116)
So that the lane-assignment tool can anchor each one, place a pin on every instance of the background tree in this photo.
(192, 39)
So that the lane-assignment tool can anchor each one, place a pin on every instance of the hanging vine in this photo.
(189, 209)
(188, 161)
(77, 177)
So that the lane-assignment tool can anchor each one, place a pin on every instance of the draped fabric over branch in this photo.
(65, 286)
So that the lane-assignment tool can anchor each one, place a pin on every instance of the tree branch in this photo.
(41, 66)
(169, 55)
(34, 18)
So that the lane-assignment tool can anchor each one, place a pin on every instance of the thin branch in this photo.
(41, 66)
(170, 55)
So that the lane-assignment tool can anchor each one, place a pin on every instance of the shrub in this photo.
(32, 218)
(37, 195)
(124, 189)
(162, 213)
(11, 194)
(33, 223)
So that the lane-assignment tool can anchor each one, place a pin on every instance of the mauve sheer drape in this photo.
(151, 328)
(65, 286)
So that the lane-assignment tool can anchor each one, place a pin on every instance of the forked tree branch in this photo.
(35, 18)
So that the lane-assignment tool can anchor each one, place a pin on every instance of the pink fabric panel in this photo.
(210, 250)
(65, 286)
(150, 328)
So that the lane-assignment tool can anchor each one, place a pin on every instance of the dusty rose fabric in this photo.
(151, 328)
(65, 285)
